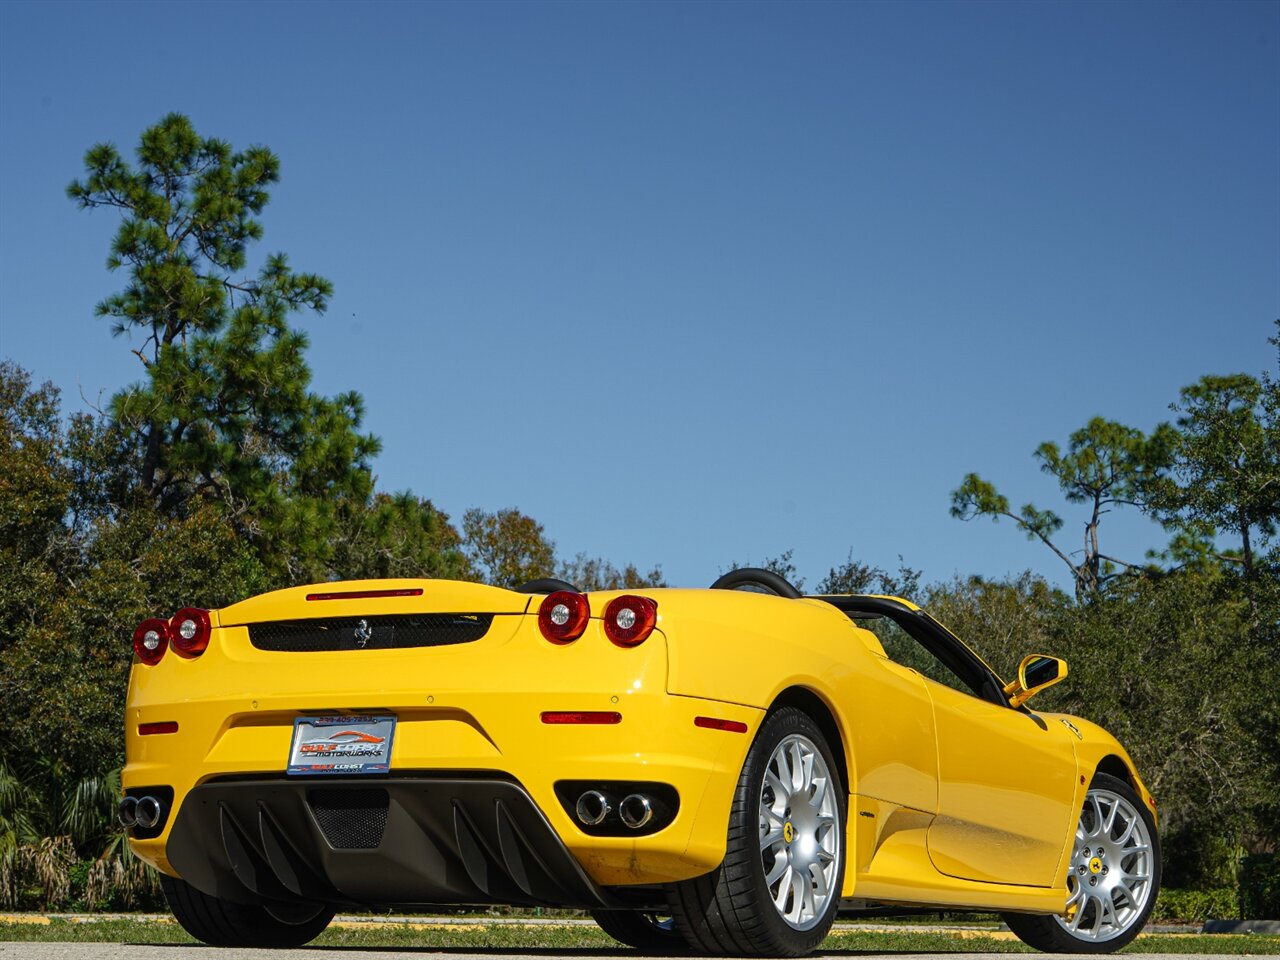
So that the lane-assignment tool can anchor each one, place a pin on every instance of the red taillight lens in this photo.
(628, 620)
(162, 726)
(718, 723)
(563, 616)
(581, 716)
(366, 594)
(150, 640)
(189, 631)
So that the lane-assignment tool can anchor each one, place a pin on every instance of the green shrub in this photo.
(1194, 906)
(1260, 887)
(1197, 856)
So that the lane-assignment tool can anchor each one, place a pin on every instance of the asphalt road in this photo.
(116, 951)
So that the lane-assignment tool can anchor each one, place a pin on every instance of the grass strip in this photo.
(552, 937)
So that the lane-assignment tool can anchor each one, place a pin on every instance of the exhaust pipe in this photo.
(127, 812)
(592, 808)
(147, 812)
(635, 811)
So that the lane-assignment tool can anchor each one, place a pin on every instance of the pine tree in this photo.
(224, 414)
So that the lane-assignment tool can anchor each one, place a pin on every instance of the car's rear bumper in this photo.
(405, 839)
(465, 715)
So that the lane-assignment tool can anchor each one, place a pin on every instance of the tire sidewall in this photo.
(224, 923)
(640, 929)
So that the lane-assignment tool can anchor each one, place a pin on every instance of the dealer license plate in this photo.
(342, 744)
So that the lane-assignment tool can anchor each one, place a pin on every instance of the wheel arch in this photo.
(811, 703)
(1117, 768)
(1120, 766)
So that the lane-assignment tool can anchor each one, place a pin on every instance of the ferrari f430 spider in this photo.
(720, 769)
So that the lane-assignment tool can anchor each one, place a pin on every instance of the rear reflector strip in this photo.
(715, 723)
(580, 716)
(164, 726)
(365, 594)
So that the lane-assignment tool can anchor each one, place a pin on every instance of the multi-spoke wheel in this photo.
(1113, 879)
(799, 834)
(776, 892)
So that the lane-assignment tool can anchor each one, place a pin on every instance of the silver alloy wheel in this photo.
(799, 832)
(1111, 869)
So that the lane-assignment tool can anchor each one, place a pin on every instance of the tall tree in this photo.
(854, 576)
(1106, 465)
(597, 573)
(35, 484)
(1225, 479)
(224, 414)
(35, 495)
(507, 548)
(81, 566)
(400, 535)
(1226, 474)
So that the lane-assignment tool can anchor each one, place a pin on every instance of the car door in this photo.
(1006, 787)
(1006, 777)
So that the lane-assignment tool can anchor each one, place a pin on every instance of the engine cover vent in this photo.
(370, 633)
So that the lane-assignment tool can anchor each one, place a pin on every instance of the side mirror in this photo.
(1036, 672)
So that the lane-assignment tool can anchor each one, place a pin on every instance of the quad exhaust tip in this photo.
(144, 812)
(592, 808)
(635, 810)
(148, 812)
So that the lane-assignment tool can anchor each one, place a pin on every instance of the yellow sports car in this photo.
(722, 768)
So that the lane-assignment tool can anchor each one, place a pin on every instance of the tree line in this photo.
(220, 474)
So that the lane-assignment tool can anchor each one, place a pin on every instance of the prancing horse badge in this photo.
(364, 633)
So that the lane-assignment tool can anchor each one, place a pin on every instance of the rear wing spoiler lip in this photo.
(359, 598)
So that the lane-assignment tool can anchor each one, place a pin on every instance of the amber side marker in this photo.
(715, 723)
(366, 594)
(163, 726)
(581, 716)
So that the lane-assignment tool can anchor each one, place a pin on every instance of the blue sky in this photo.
(698, 283)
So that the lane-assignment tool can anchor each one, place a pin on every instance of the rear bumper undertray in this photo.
(388, 841)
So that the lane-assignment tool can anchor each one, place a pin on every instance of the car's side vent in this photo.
(370, 633)
(350, 819)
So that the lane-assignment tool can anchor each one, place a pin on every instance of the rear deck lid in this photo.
(373, 598)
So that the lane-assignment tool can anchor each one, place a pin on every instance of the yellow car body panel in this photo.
(467, 707)
(935, 814)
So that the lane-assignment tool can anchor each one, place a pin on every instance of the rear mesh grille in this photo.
(350, 819)
(370, 633)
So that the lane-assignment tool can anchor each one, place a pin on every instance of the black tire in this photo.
(730, 911)
(643, 930)
(221, 923)
(1050, 934)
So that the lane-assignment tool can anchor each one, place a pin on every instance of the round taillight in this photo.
(189, 631)
(628, 620)
(150, 640)
(563, 616)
